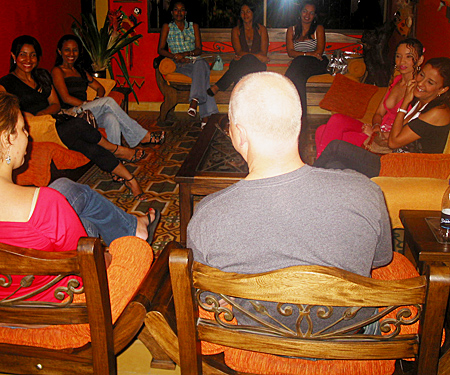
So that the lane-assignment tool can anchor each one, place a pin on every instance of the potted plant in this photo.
(102, 45)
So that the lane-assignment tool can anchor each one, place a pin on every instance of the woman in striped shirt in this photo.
(305, 42)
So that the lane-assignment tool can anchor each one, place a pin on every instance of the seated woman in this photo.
(41, 218)
(184, 40)
(305, 42)
(250, 43)
(423, 129)
(408, 58)
(71, 82)
(37, 97)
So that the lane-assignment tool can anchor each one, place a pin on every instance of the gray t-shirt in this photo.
(311, 216)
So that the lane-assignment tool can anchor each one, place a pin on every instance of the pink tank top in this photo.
(391, 113)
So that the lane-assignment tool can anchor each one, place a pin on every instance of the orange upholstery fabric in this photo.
(37, 170)
(415, 165)
(348, 97)
(131, 261)
(240, 360)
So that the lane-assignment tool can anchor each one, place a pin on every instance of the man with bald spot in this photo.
(286, 213)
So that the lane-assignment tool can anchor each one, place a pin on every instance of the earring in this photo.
(15, 61)
(8, 159)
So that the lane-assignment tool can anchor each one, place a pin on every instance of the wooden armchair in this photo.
(421, 299)
(87, 315)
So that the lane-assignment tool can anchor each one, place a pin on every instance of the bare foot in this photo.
(142, 224)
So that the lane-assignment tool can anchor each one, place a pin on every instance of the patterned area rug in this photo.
(155, 174)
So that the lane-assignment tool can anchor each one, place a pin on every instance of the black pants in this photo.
(79, 136)
(301, 68)
(238, 68)
(343, 155)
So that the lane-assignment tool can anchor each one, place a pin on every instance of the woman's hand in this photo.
(367, 129)
(316, 55)
(409, 93)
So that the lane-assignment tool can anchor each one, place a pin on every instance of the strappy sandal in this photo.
(156, 138)
(192, 111)
(135, 157)
(151, 227)
(140, 197)
(117, 178)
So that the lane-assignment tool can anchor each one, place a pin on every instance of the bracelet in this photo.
(402, 110)
(376, 124)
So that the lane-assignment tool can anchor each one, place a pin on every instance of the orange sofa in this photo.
(46, 147)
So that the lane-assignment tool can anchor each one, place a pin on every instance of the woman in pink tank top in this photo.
(408, 58)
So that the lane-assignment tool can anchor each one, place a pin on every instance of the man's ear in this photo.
(242, 134)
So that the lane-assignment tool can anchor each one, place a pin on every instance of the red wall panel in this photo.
(433, 29)
(46, 20)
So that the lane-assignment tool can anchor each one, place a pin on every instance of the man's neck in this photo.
(270, 167)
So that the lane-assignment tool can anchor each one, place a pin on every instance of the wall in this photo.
(142, 74)
(46, 20)
(433, 29)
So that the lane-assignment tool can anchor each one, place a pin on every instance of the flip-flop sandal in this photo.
(151, 227)
(140, 197)
(155, 139)
(135, 158)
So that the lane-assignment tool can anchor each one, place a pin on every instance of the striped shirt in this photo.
(181, 41)
(305, 45)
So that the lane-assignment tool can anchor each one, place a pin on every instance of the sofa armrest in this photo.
(415, 165)
(410, 193)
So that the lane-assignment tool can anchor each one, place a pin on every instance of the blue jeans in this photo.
(115, 121)
(199, 73)
(98, 215)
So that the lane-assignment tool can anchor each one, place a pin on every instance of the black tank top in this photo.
(256, 45)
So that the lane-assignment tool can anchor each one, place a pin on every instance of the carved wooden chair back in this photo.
(296, 289)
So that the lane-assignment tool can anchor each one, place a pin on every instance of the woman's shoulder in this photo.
(437, 116)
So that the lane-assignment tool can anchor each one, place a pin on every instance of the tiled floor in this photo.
(136, 361)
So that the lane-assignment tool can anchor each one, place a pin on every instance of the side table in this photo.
(422, 249)
(125, 91)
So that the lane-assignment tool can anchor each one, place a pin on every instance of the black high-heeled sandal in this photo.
(155, 139)
(135, 197)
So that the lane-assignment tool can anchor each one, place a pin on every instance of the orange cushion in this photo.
(415, 165)
(348, 97)
(241, 360)
(167, 66)
(131, 261)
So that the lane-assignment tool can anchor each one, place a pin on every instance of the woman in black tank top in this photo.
(250, 42)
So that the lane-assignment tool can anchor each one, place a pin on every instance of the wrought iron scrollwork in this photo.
(265, 321)
(61, 293)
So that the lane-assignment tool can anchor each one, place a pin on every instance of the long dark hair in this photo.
(255, 24)
(41, 76)
(314, 23)
(79, 62)
(442, 65)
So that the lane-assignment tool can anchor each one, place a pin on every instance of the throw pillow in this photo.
(108, 85)
(348, 97)
(43, 129)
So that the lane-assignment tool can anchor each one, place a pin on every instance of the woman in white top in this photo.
(305, 42)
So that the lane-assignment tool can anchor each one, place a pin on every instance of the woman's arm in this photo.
(96, 85)
(262, 56)
(61, 88)
(290, 44)
(53, 105)
(320, 34)
(377, 118)
(402, 135)
(163, 41)
(236, 42)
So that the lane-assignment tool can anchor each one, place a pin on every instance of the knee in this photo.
(201, 65)
(109, 119)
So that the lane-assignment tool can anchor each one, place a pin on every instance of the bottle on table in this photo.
(445, 216)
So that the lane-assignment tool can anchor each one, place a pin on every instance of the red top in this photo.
(53, 226)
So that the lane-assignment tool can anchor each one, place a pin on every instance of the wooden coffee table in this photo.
(212, 165)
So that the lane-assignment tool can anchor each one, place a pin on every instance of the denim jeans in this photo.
(115, 121)
(98, 215)
(199, 73)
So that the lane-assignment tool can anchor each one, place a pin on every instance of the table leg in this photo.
(186, 210)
